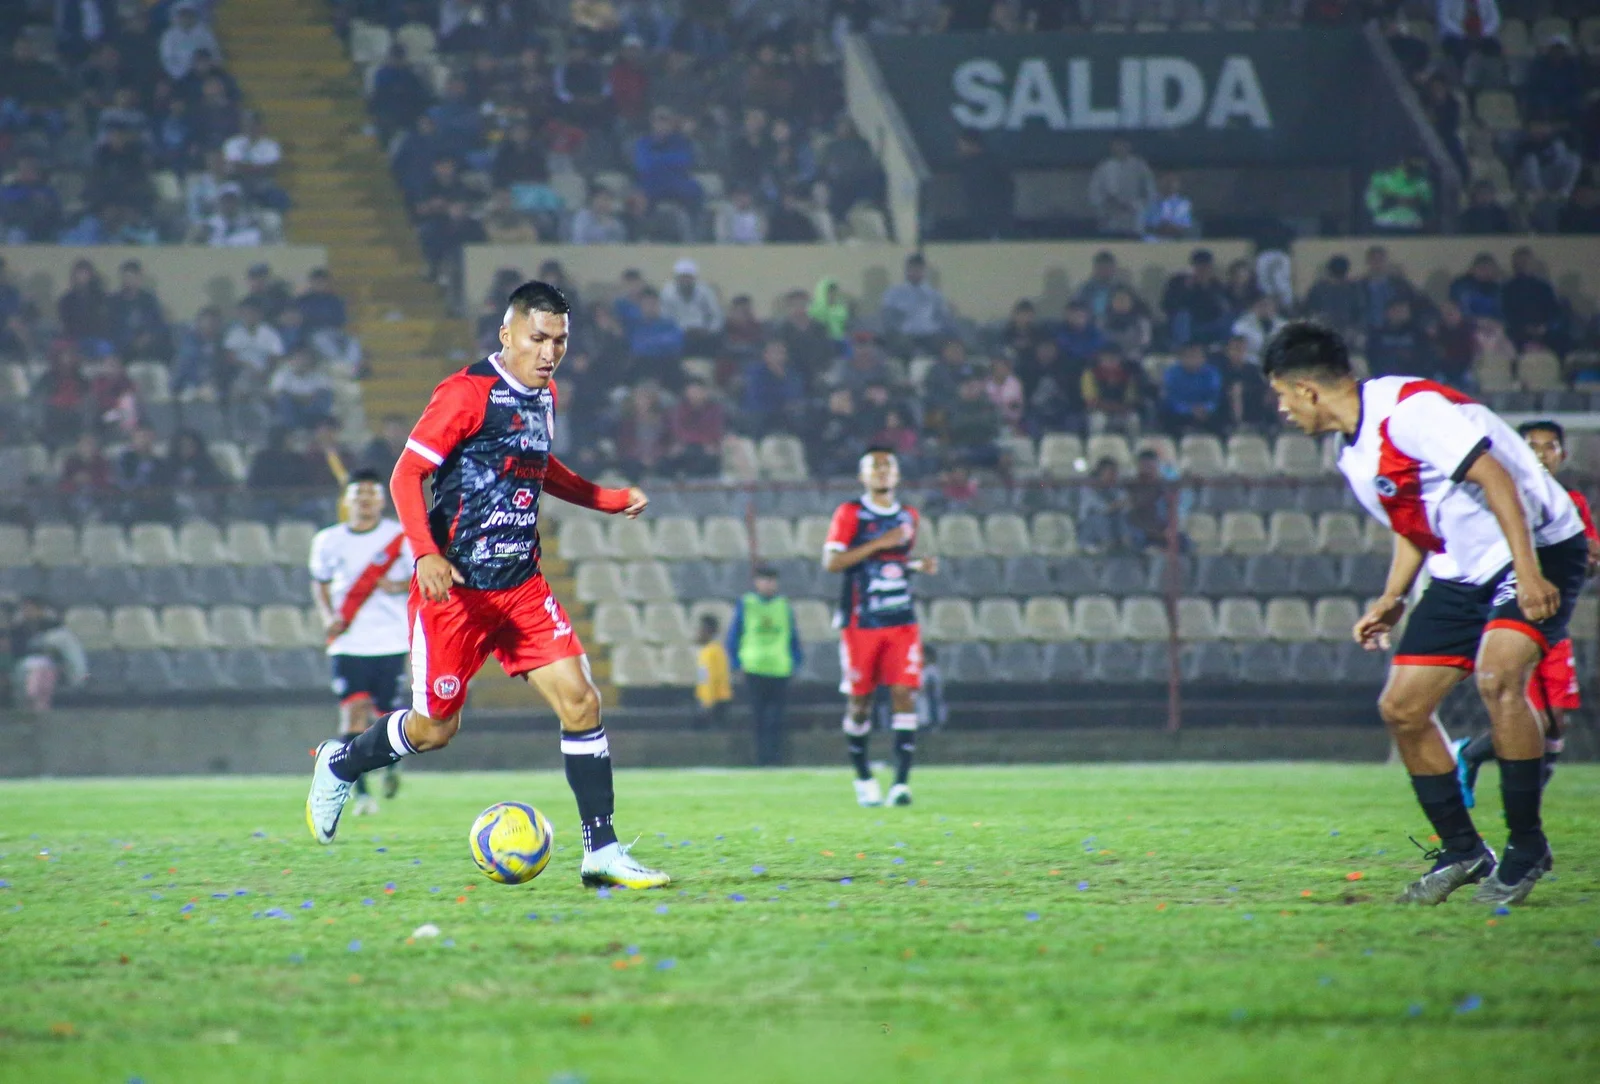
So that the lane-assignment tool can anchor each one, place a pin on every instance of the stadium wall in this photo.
(981, 281)
(277, 739)
(185, 277)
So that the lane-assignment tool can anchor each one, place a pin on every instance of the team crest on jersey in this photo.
(446, 686)
(1385, 486)
(522, 498)
(891, 572)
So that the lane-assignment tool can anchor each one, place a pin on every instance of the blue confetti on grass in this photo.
(186, 908)
(219, 895)
(1502, 910)
(306, 906)
(719, 837)
(533, 916)
(1414, 1009)
(631, 950)
(1471, 1003)
(368, 902)
(1334, 832)
(602, 894)
(899, 861)
(1325, 980)
(5, 884)
(258, 834)
(783, 888)
(383, 850)
(155, 895)
(355, 946)
(844, 880)
(389, 886)
(277, 912)
(416, 861)
(433, 888)
(147, 876)
(661, 908)
(758, 869)
(1083, 886)
(241, 892)
(666, 965)
(737, 897)
(1237, 1015)
(296, 958)
(833, 903)
(1247, 918)
(685, 843)
(1032, 916)
(449, 942)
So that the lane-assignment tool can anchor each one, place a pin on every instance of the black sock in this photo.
(858, 750)
(1479, 749)
(373, 748)
(361, 780)
(1520, 784)
(588, 758)
(1440, 797)
(904, 725)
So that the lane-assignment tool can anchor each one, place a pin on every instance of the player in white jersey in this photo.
(1505, 548)
(360, 577)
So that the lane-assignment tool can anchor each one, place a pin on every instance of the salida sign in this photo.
(1266, 97)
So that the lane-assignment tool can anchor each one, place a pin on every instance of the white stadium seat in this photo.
(90, 625)
(1005, 534)
(200, 543)
(54, 545)
(634, 665)
(631, 539)
(1249, 456)
(1240, 619)
(647, 581)
(1200, 455)
(1291, 533)
(677, 538)
(1339, 533)
(714, 607)
(104, 544)
(725, 538)
(154, 545)
(678, 665)
(775, 539)
(666, 623)
(1243, 534)
(293, 539)
(1334, 618)
(814, 620)
(809, 535)
(599, 581)
(960, 536)
(1054, 535)
(1060, 455)
(234, 626)
(1095, 617)
(135, 628)
(1145, 618)
(1047, 619)
(1297, 456)
(617, 622)
(1288, 620)
(582, 538)
(1197, 622)
(1000, 620)
(1109, 446)
(250, 543)
(952, 620)
(1204, 535)
(14, 549)
(281, 626)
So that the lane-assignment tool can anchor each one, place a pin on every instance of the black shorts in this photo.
(1451, 617)
(372, 677)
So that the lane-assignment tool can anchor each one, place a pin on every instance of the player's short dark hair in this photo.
(536, 296)
(875, 449)
(710, 623)
(365, 474)
(1306, 348)
(765, 572)
(1548, 425)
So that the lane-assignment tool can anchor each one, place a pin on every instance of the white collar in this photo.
(878, 509)
(516, 385)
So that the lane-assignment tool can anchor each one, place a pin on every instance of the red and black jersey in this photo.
(1583, 512)
(877, 592)
(486, 437)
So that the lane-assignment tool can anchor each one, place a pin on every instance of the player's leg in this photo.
(902, 672)
(537, 642)
(568, 688)
(1554, 690)
(1506, 662)
(388, 679)
(449, 641)
(857, 683)
(356, 714)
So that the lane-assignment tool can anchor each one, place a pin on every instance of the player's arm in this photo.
(1537, 597)
(835, 559)
(1589, 532)
(1372, 631)
(563, 482)
(453, 413)
(322, 590)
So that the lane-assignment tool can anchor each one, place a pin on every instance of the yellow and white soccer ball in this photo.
(511, 842)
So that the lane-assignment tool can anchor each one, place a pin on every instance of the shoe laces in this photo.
(628, 858)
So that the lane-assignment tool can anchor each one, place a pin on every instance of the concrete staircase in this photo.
(292, 67)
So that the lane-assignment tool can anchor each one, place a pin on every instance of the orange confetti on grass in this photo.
(584, 1020)
(1493, 922)
(939, 862)
(411, 940)
(1284, 913)
(62, 1028)
(123, 958)
(1305, 893)
(827, 854)
(906, 954)
(1043, 949)
(354, 980)
(1149, 854)
(1055, 873)
(619, 965)
(1434, 838)
(1161, 907)
(861, 854)
(1354, 875)
(461, 899)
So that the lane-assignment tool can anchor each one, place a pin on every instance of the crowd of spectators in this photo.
(120, 124)
(659, 374)
(117, 388)
(694, 121)
(1516, 106)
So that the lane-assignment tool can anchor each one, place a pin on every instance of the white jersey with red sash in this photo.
(1407, 464)
(354, 564)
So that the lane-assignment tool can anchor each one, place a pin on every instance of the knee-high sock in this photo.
(856, 735)
(904, 725)
(1521, 782)
(587, 754)
(1440, 798)
(378, 746)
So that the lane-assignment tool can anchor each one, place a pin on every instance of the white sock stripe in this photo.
(903, 720)
(855, 729)
(397, 734)
(596, 746)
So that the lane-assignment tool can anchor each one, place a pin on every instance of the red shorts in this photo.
(523, 627)
(1555, 681)
(869, 658)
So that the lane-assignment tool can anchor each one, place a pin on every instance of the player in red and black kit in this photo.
(1553, 689)
(870, 541)
(477, 589)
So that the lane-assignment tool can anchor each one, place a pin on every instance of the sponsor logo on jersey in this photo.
(502, 397)
(1385, 486)
(523, 468)
(446, 686)
(522, 498)
(1506, 591)
(512, 549)
(892, 572)
(502, 517)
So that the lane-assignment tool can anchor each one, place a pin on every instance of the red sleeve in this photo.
(560, 481)
(453, 413)
(842, 531)
(916, 525)
(1583, 510)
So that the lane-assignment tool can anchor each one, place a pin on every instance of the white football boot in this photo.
(328, 794)
(900, 794)
(366, 805)
(613, 865)
(867, 793)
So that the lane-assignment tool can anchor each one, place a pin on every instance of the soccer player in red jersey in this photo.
(870, 541)
(1553, 689)
(477, 589)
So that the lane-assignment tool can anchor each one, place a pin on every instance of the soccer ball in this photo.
(511, 842)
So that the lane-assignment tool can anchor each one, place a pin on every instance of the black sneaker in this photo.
(1451, 870)
(1518, 873)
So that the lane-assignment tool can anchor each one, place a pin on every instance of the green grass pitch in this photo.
(1119, 923)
